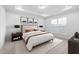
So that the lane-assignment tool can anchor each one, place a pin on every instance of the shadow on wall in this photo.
(9, 30)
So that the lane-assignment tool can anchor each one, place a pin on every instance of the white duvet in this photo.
(35, 40)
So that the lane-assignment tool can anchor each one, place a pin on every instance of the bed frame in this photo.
(24, 27)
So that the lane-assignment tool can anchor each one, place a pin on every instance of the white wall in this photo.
(14, 19)
(2, 25)
(64, 31)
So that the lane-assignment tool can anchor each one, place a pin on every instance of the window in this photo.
(59, 21)
(54, 21)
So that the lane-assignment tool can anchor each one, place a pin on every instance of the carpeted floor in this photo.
(62, 48)
(58, 46)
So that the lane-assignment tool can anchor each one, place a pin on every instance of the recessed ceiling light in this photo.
(19, 8)
(67, 7)
(42, 6)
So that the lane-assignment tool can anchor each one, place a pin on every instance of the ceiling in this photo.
(43, 11)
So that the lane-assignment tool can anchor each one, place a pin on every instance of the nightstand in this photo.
(73, 46)
(16, 36)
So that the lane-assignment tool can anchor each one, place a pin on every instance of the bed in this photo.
(33, 38)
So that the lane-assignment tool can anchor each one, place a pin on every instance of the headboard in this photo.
(31, 27)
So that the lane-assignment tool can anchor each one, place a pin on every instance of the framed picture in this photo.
(30, 20)
(35, 21)
(23, 20)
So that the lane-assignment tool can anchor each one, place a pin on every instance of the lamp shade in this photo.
(40, 26)
(17, 26)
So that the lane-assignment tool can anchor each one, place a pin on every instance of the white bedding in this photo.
(35, 40)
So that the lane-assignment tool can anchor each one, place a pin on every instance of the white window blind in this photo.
(59, 21)
(54, 21)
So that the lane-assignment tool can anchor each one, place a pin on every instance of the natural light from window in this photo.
(62, 21)
(54, 21)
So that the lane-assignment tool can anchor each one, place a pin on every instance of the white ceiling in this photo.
(49, 11)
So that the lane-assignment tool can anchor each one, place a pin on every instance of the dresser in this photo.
(73, 46)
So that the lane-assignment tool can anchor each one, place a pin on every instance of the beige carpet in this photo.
(18, 47)
(60, 49)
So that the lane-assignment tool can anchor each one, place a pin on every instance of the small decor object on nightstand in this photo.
(76, 35)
